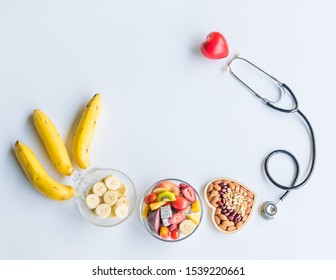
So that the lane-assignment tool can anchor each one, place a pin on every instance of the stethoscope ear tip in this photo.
(268, 210)
(228, 65)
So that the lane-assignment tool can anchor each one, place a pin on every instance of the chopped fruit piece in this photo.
(156, 205)
(145, 211)
(166, 196)
(164, 232)
(196, 206)
(177, 218)
(187, 227)
(195, 217)
(175, 234)
(180, 203)
(166, 185)
(173, 227)
(166, 212)
(189, 194)
(154, 220)
(159, 190)
(150, 198)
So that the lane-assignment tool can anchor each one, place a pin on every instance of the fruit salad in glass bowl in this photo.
(171, 210)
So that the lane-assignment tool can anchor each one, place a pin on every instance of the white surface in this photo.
(167, 112)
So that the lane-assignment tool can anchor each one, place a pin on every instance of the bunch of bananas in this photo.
(57, 152)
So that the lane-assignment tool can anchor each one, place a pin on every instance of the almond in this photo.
(239, 224)
(222, 226)
(212, 194)
(226, 223)
(217, 188)
(222, 217)
(232, 228)
(250, 195)
(231, 186)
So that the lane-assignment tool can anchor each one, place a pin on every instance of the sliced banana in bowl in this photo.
(105, 197)
(99, 188)
(110, 197)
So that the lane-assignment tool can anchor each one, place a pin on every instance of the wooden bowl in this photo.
(242, 194)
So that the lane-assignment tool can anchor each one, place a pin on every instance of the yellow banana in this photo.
(53, 143)
(38, 176)
(85, 132)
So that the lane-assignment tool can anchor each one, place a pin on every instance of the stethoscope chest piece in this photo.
(268, 210)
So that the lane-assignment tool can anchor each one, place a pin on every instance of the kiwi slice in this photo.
(166, 196)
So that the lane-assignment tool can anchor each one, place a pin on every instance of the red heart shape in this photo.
(215, 46)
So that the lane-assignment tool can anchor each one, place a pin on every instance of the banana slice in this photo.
(112, 182)
(123, 200)
(110, 197)
(92, 201)
(112, 215)
(99, 188)
(187, 227)
(103, 210)
(122, 191)
(121, 211)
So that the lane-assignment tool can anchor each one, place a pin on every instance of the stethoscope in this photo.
(269, 209)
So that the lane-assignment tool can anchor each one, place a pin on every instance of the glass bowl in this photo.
(85, 180)
(145, 220)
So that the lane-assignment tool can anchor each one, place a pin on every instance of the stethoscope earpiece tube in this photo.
(269, 209)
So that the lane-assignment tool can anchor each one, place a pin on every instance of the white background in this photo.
(168, 112)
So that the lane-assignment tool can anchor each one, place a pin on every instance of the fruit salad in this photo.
(171, 210)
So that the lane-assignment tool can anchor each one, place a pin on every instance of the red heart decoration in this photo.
(215, 46)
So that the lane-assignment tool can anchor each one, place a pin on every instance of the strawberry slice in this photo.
(189, 194)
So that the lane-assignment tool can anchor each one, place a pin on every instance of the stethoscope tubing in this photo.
(284, 88)
(293, 185)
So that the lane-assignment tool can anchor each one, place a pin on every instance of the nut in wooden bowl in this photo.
(231, 203)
